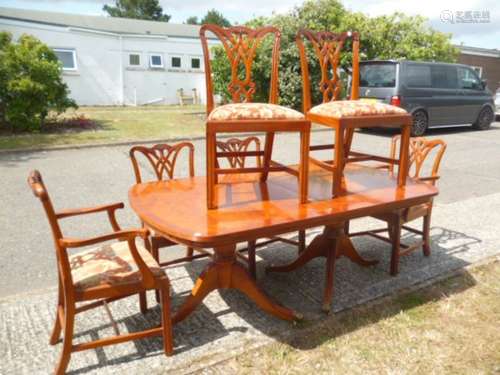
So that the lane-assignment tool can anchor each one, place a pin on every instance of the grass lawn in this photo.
(111, 124)
(451, 327)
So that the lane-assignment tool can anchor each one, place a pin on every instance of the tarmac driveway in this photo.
(91, 176)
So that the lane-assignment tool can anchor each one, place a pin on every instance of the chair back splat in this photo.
(241, 44)
(328, 47)
(232, 150)
(162, 158)
(420, 149)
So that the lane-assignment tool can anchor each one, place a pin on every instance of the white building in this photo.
(117, 61)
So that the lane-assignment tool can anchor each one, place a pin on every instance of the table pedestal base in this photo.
(332, 244)
(225, 272)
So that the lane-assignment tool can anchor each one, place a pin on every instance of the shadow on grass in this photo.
(358, 317)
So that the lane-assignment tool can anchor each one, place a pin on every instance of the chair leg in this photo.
(189, 252)
(426, 229)
(143, 302)
(156, 256)
(56, 331)
(69, 319)
(346, 228)
(252, 267)
(395, 234)
(268, 151)
(166, 321)
(304, 166)
(211, 175)
(302, 240)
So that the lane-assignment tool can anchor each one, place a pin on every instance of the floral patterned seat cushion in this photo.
(354, 108)
(254, 111)
(111, 264)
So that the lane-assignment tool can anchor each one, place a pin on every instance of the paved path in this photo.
(464, 230)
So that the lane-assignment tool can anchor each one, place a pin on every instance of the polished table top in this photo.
(251, 209)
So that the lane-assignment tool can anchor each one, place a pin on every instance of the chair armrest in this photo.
(68, 242)
(110, 208)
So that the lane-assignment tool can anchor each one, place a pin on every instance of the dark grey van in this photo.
(436, 94)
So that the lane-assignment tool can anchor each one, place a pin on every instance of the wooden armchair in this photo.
(344, 116)
(102, 275)
(420, 149)
(240, 44)
(227, 149)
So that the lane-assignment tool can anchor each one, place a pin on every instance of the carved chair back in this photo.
(162, 158)
(35, 181)
(233, 147)
(240, 44)
(420, 149)
(327, 47)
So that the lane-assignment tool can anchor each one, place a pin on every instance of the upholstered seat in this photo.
(111, 264)
(353, 108)
(254, 111)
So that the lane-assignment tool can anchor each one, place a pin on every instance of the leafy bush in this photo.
(395, 36)
(30, 83)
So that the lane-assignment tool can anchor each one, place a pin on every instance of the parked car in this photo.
(497, 103)
(436, 94)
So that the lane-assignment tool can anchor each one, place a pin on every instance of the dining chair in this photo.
(240, 44)
(421, 150)
(162, 160)
(238, 160)
(107, 273)
(344, 116)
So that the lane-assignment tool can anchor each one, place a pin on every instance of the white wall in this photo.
(103, 75)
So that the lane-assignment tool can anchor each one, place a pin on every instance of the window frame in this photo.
(156, 66)
(73, 55)
(414, 84)
(191, 58)
(135, 54)
(474, 75)
(170, 62)
(476, 68)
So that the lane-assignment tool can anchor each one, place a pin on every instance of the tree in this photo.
(139, 9)
(395, 36)
(30, 83)
(193, 20)
(216, 18)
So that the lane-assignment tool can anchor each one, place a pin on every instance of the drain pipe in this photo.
(122, 79)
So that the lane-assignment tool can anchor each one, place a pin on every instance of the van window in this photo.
(418, 75)
(467, 79)
(444, 77)
(377, 75)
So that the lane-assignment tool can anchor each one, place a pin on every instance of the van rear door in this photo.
(378, 80)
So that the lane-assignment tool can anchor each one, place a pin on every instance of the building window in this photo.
(195, 63)
(156, 61)
(67, 57)
(176, 62)
(134, 59)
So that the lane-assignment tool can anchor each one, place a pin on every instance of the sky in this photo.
(444, 15)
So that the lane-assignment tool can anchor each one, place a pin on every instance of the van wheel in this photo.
(420, 123)
(484, 119)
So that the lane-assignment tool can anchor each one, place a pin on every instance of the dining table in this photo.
(249, 209)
